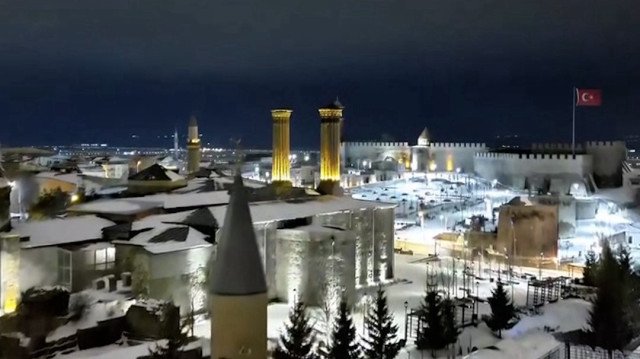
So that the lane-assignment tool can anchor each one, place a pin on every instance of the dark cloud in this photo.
(101, 70)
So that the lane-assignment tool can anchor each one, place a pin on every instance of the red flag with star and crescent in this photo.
(589, 97)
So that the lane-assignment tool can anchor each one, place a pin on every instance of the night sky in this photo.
(100, 71)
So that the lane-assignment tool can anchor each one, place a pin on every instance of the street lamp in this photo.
(540, 266)
(421, 213)
(406, 322)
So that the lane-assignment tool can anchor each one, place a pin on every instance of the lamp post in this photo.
(540, 266)
(406, 322)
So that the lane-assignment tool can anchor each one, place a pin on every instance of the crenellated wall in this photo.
(354, 153)
(608, 157)
(513, 168)
(446, 156)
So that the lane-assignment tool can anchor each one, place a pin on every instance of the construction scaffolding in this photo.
(542, 291)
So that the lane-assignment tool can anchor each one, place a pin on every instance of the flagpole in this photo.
(573, 126)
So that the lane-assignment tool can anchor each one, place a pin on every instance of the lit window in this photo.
(64, 268)
(103, 259)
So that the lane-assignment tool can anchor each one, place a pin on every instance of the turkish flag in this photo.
(589, 97)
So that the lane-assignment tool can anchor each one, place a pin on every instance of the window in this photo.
(101, 259)
(64, 268)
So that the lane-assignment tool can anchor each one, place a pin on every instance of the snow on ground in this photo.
(529, 347)
(525, 338)
(112, 351)
(98, 309)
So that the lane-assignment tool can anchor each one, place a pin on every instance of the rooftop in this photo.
(166, 238)
(60, 231)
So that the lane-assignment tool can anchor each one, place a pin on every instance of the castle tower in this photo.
(423, 139)
(237, 285)
(193, 147)
(330, 125)
(281, 170)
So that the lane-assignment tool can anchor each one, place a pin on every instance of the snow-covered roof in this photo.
(73, 178)
(159, 219)
(247, 182)
(116, 206)
(534, 345)
(161, 200)
(165, 238)
(282, 210)
(181, 200)
(60, 231)
(174, 176)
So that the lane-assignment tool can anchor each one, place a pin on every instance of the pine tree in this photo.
(610, 325)
(430, 330)
(502, 310)
(344, 344)
(450, 326)
(624, 261)
(381, 341)
(298, 340)
(631, 282)
(590, 269)
(174, 333)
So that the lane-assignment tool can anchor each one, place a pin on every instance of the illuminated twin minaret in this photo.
(330, 126)
(281, 169)
(193, 147)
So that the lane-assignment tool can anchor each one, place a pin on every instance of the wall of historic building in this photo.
(512, 169)
(451, 156)
(315, 264)
(607, 161)
(354, 153)
(535, 228)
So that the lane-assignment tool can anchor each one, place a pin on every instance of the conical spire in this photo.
(237, 269)
(423, 139)
(193, 122)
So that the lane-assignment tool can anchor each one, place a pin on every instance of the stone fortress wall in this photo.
(354, 153)
(596, 163)
(607, 158)
(448, 156)
(513, 169)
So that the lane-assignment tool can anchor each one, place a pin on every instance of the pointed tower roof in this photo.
(423, 139)
(424, 134)
(193, 122)
(335, 105)
(237, 269)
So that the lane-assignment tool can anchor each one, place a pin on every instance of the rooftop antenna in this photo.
(239, 154)
(176, 145)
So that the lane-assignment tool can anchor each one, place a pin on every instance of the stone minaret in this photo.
(331, 123)
(237, 286)
(281, 169)
(176, 145)
(193, 147)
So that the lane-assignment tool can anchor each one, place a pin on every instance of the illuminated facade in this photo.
(193, 147)
(9, 273)
(281, 169)
(330, 125)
